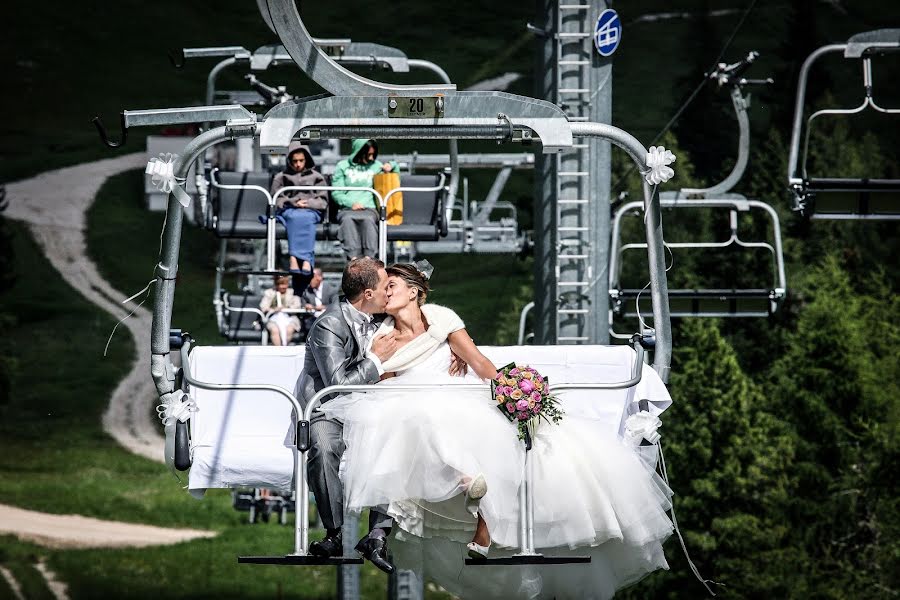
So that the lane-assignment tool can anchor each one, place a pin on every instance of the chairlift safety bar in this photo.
(775, 294)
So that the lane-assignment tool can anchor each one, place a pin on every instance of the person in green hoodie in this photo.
(358, 214)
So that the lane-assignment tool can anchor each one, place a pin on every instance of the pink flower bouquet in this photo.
(523, 396)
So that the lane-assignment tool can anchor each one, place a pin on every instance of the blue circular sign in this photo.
(608, 32)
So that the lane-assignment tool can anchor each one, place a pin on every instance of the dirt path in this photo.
(58, 220)
(75, 531)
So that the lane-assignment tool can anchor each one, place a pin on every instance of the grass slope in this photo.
(123, 240)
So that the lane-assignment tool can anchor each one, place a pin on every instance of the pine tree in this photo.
(838, 386)
(728, 462)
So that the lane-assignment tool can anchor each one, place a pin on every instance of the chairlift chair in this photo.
(221, 411)
(357, 108)
(343, 51)
(747, 302)
(261, 506)
(760, 301)
(842, 198)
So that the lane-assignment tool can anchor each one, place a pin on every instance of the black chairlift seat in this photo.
(830, 198)
(242, 319)
(709, 302)
(296, 559)
(241, 325)
(236, 212)
(423, 212)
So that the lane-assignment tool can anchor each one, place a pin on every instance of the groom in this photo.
(341, 350)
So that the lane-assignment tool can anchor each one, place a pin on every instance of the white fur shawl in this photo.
(442, 321)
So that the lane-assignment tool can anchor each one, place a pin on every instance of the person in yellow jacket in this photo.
(358, 214)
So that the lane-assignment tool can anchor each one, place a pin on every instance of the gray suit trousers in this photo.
(326, 449)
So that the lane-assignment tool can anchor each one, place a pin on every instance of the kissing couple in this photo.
(424, 461)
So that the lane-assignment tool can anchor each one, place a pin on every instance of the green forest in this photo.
(782, 442)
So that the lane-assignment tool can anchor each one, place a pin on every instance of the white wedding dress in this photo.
(411, 453)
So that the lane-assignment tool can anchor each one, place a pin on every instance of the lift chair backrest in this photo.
(246, 437)
(240, 325)
(237, 211)
(421, 211)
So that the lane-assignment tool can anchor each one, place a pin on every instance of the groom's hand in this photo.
(458, 367)
(384, 346)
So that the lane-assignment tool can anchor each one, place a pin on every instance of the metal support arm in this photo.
(164, 293)
(320, 67)
(656, 258)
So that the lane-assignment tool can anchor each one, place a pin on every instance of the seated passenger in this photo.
(358, 215)
(300, 211)
(281, 325)
(317, 296)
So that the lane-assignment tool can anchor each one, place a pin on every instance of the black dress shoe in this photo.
(375, 550)
(330, 546)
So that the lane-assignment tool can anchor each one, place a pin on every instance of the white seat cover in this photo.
(243, 438)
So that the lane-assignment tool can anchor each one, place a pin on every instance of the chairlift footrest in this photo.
(538, 559)
(297, 560)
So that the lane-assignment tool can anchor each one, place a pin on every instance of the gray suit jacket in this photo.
(334, 354)
(329, 294)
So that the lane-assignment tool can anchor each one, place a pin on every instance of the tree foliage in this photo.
(728, 464)
(837, 385)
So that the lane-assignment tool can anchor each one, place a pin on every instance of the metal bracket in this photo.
(344, 117)
(236, 52)
(323, 69)
(231, 113)
(351, 53)
(873, 42)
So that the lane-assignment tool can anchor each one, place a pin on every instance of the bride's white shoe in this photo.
(474, 493)
(477, 551)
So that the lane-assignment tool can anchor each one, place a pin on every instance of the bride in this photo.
(447, 465)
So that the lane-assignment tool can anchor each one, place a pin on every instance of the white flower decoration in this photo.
(658, 161)
(177, 407)
(642, 426)
(162, 176)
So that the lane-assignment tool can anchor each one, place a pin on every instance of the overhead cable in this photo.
(697, 89)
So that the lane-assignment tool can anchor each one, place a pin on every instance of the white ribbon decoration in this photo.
(162, 177)
(658, 159)
(642, 426)
(177, 407)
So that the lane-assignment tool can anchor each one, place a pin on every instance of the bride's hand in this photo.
(387, 375)
(458, 367)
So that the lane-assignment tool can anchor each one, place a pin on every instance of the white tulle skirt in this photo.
(412, 455)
